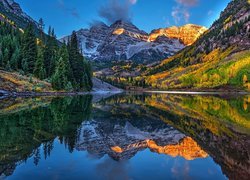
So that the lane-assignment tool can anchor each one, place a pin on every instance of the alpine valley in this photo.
(218, 60)
(125, 99)
(186, 57)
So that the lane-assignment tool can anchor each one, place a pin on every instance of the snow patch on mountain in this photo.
(171, 48)
(123, 41)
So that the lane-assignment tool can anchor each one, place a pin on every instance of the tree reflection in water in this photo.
(190, 126)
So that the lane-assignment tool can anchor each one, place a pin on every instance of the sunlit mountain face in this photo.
(187, 34)
(123, 40)
(135, 132)
(186, 148)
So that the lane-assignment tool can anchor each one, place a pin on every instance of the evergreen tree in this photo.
(41, 26)
(65, 55)
(81, 70)
(59, 79)
(1, 59)
(29, 49)
(87, 76)
(76, 62)
(62, 77)
(39, 70)
(15, 59)
(51, 48)
(7, 67)
(43, 58)
(6, 57)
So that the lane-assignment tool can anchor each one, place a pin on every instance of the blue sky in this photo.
(68, 15)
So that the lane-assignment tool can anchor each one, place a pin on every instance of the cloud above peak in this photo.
(133, 1)
(72, 11)
(181, 12)
(117, 10)
(188, 3)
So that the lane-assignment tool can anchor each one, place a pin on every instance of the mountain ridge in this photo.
(180, 32)
(13, 12)
(220, 57)
(124, 41)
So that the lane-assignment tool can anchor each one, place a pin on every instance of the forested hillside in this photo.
(220, 58)
(44, 57)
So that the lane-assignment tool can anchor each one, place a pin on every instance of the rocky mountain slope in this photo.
(218, 59)
(101, 86)
(124, 41)
(187, 34)
(11, 12)
(122, 142)
(122, 127)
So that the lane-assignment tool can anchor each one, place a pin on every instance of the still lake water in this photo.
(125, 136)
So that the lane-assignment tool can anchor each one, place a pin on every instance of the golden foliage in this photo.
(217, 68)
(245, 79)
(15, 82)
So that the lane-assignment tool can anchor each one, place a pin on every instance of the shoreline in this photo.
(190, 92)
(6, 94)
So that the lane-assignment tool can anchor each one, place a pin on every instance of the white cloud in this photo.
(181, 10)
(188, 3)
(179, 13)
(133, 1)
(166, 21)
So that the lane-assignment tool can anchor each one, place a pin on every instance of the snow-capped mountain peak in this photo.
(124, 41)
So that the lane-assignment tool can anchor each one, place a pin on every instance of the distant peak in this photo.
(122, 23)
(100, 23)
(187, 26)
(187, 33)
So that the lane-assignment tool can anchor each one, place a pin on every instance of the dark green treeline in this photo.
(23, 132)
(44, 57)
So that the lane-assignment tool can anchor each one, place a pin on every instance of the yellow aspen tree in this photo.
(245, 79)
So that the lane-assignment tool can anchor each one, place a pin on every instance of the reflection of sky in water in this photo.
(144, 165)
(148, 134)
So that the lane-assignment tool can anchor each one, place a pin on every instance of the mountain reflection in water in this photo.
(187, 129)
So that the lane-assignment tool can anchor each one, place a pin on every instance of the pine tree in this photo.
(59, 79)
(15, 59)
(39, 70)
(29, 49)
(50, 53)
(1, 59)
(87, 76)
(7, 67)
(41, 26)
(65, 55)
(43, 58)
(81, 70)
(76, 62)
(6, 57)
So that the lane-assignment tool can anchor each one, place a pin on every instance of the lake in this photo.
(126, 136)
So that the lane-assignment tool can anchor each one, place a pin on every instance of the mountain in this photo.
(219, 59)
(187, 34)
(123, 141)
(11, 12)
(124, 41)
